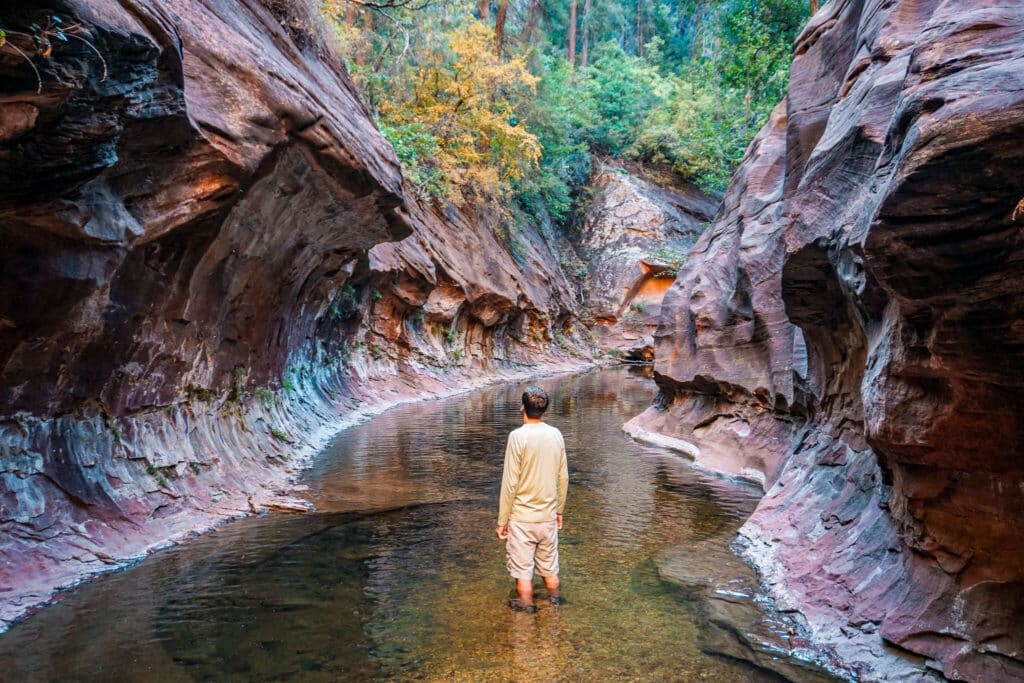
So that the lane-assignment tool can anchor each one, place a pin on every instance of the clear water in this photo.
(398, 575)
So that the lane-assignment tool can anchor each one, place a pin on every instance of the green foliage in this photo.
(279, 434)
(41, 37)
(238, 383)
(417, 149)
(265, 395)
(449, 335)
(112, 427)
(344, 305)
(720, 97)
(198, 393)
(196, 468)
(620, 90)
(466, 123)
(288, 383)
(159, 473)
(668, 256)
(557, 119)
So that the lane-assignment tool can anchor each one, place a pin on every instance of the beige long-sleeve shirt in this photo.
(536, 476)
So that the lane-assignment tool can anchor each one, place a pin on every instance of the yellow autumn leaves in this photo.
(468, 102)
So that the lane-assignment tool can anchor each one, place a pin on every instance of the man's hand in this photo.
(558, 520)
(502, 532)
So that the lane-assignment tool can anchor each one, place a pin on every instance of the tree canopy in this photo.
(491, 99)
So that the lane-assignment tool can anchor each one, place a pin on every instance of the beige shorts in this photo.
(531, 544)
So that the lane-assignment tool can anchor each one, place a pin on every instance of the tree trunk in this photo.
(639, 28)
(484, 8)
(815, 4)
(499, 28)
(572, 32)
(584, 48)
(350, 14)
(532, 17)
(367, 26)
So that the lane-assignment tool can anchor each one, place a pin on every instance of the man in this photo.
(533, 489)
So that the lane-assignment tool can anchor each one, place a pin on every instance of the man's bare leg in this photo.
(524, 589)
(552, 583)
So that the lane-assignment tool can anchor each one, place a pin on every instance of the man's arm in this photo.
(509, 484)
(563, 482)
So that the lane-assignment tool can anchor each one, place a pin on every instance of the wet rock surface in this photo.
(210, 264)
(850, 327)
(738, 623)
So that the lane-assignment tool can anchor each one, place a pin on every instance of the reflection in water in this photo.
(398, 576)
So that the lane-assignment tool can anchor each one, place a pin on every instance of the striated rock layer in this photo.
(198, 280)
(850, 329)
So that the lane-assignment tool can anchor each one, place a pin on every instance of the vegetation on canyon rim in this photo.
(513, 98)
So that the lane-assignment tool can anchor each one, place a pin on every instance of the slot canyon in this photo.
(213, 266)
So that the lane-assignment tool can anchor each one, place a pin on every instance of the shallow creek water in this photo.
(398, 576)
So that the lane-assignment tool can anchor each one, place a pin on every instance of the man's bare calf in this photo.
(524, 590)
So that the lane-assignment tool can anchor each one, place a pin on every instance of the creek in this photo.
(398, 576)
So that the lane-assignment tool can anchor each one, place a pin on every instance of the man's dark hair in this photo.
(535, 401)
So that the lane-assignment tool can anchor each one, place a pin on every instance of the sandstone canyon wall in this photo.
(201, 279)
(850, 332)
(634, 230)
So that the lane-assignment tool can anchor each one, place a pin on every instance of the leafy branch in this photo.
(42, 38)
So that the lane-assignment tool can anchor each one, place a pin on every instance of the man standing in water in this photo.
(533, 489)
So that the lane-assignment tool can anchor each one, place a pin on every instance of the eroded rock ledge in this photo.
(201, 278)
(851, 327)
(634, 233)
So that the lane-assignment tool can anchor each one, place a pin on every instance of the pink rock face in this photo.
(863, 290)
(631, 231)
(188, 211)
(169, 233)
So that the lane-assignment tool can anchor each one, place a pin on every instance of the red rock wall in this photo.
(852, 325)
(198, 281)
(634, 223)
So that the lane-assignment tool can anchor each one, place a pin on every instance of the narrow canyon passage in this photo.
(397, 575)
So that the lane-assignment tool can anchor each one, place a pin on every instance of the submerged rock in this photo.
(737, 622)
(642, 351)
(850, 325)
